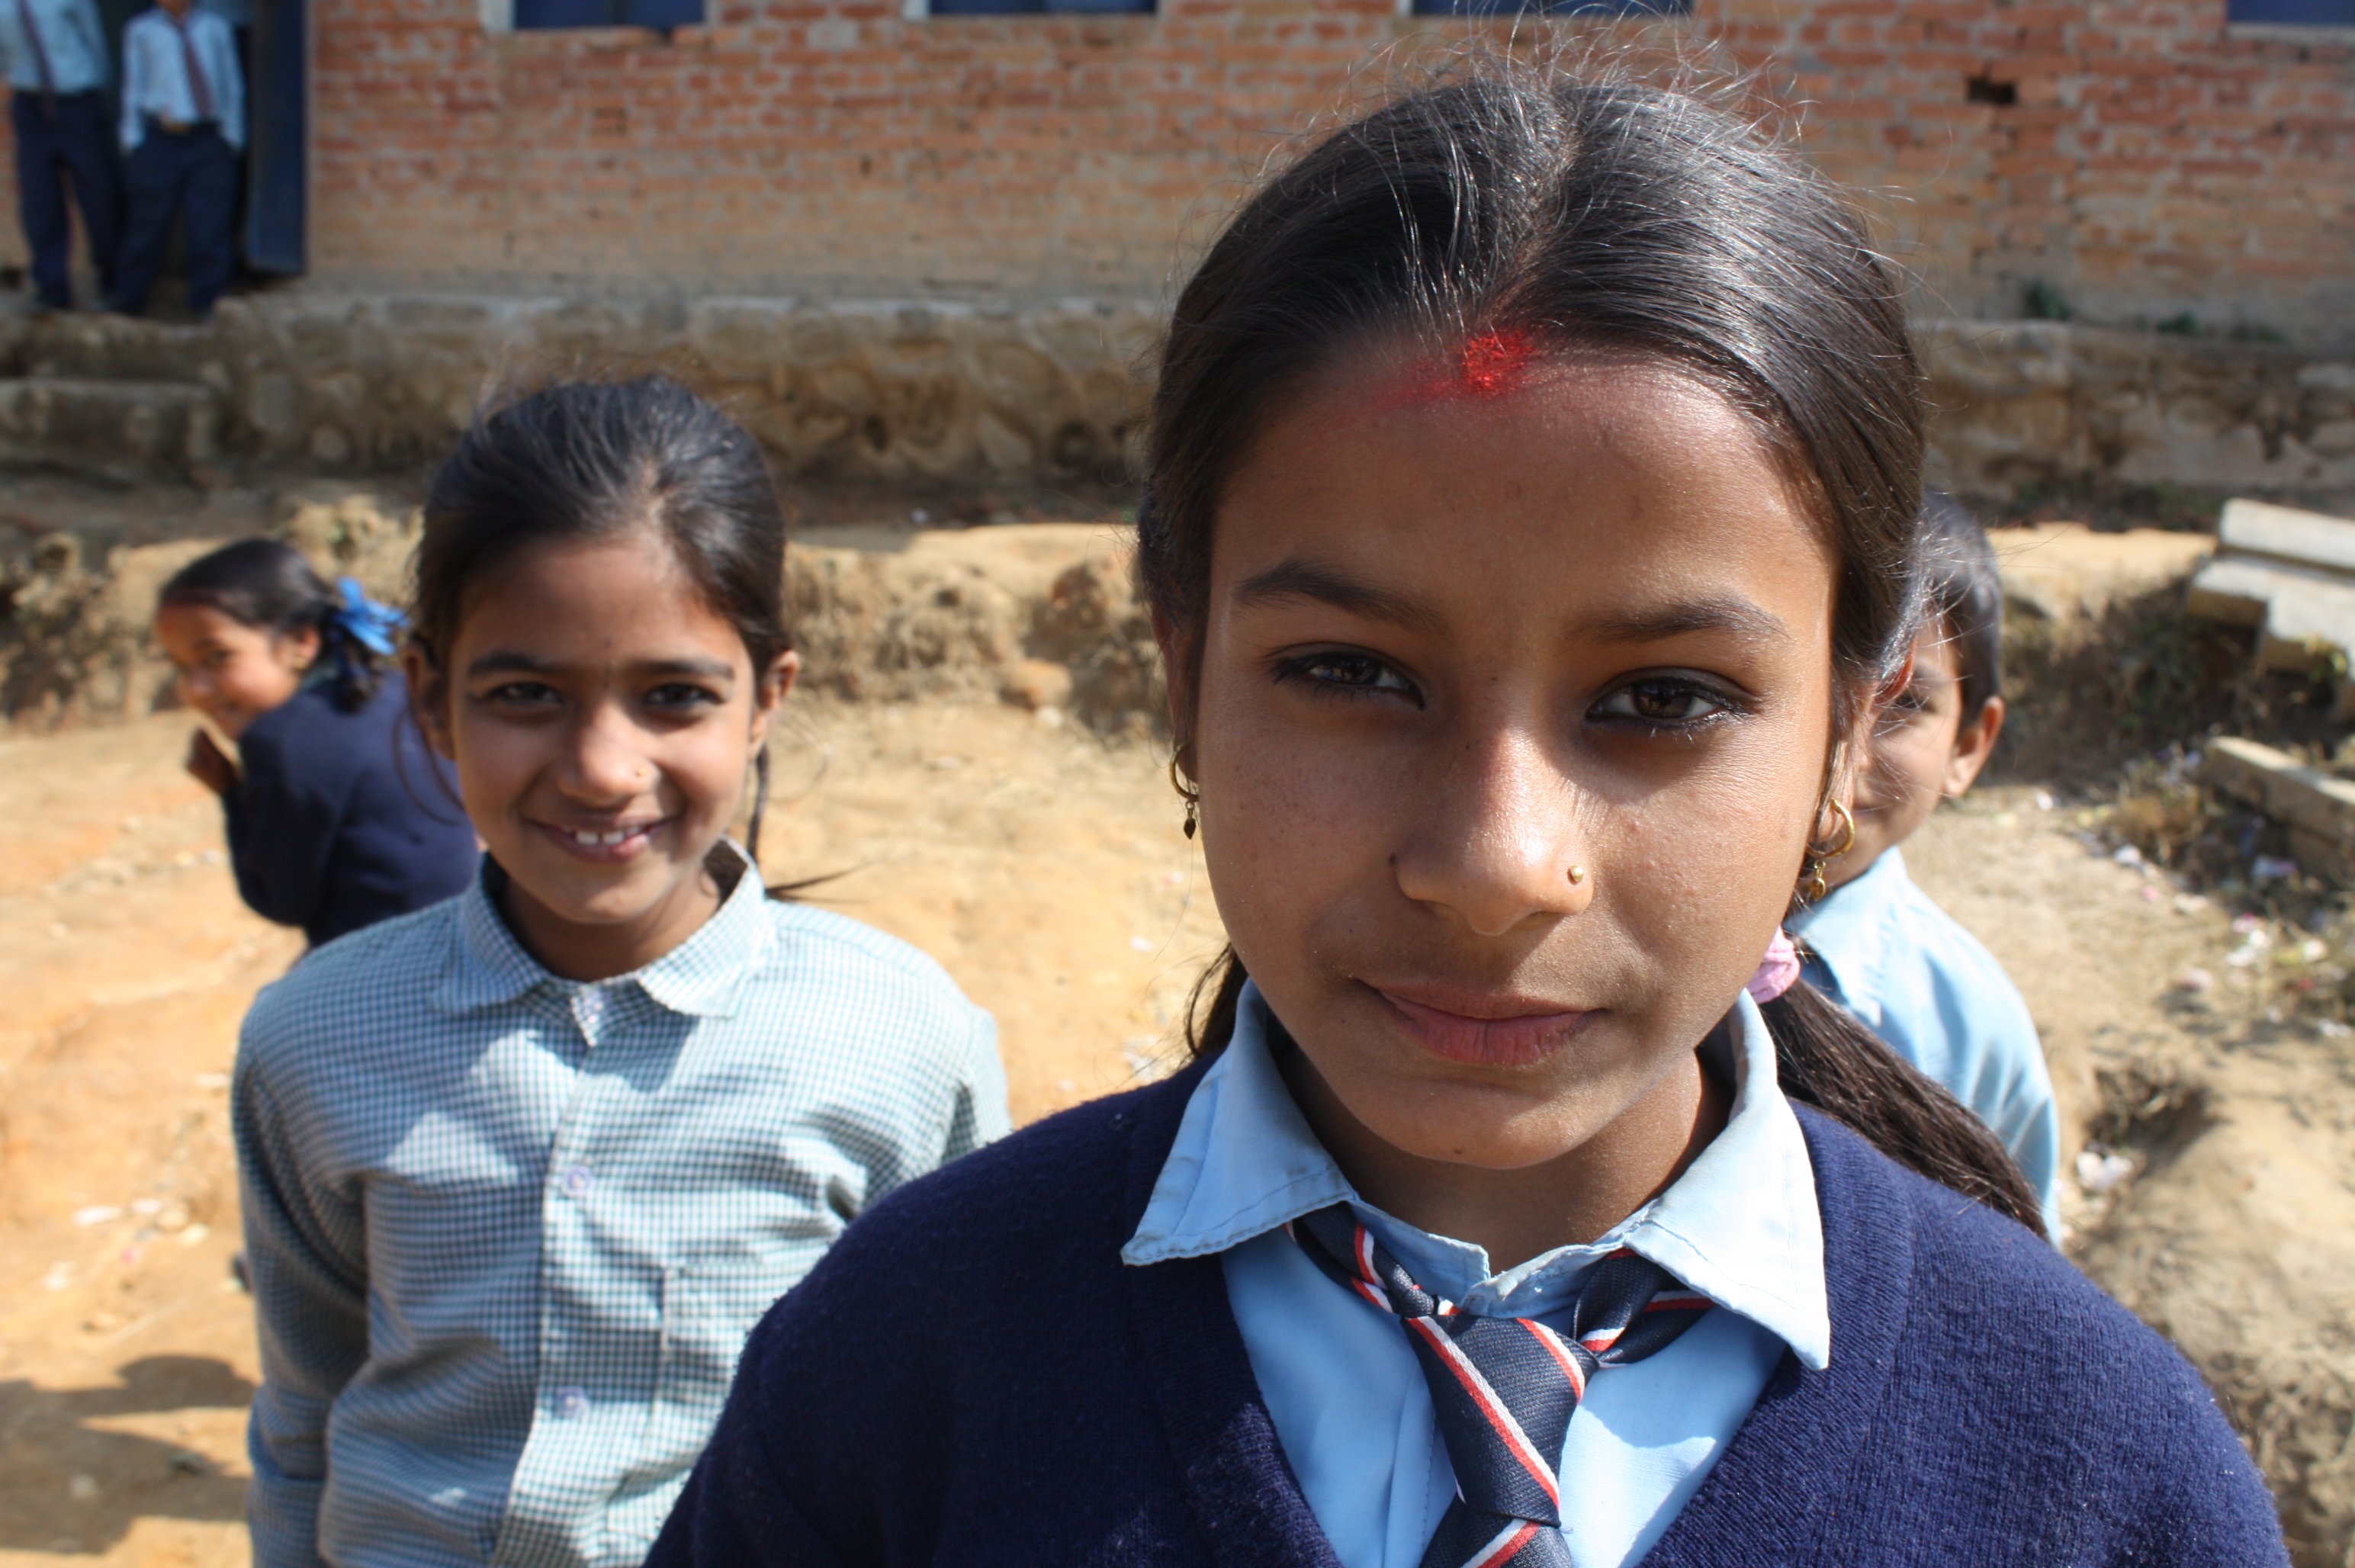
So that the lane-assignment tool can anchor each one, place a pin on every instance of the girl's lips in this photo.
(603, 846)
(1509, 1039)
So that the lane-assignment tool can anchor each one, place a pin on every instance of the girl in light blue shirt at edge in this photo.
(1530, 534)
(1876, 942)
(521, 1170)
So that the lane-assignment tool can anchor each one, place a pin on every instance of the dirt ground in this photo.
(1042, 863)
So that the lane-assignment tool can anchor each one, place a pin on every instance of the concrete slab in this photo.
(2292, 573)
(2318, 807)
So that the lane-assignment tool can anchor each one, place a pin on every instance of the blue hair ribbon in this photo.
(356, 628)
(362, 620)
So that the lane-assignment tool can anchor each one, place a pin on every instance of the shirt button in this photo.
(577, 1181)
(571, 1402)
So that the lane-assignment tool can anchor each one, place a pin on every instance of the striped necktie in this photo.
(1504, 1388)
(200, 91)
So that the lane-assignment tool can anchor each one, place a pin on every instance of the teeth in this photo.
(607, 839)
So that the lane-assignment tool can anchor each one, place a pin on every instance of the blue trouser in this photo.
(75, 142)
(193, 172)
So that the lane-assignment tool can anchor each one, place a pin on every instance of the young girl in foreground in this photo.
(521, 1170)
(1533, 486)
(338, 816)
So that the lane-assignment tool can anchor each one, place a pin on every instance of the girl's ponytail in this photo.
(362, 638)
(1824, 1058)
(1210, 1006)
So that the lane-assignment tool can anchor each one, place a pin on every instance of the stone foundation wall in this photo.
(884, 390)
(2025, 404)
(945, 390)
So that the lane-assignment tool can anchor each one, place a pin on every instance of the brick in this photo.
(2149, 164)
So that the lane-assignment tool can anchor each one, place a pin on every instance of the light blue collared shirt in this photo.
(155, 75)
(1927, 987)
(1347, 1395)
(71, 33)
(509, 1231)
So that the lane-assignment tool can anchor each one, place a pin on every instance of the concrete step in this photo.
(101, 346)
(122, 430)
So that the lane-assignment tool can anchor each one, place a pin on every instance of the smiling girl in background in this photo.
(521, 1170)
(1530, 539)
(338, 815)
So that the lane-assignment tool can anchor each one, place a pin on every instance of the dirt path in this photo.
(1045, 869)
(2235, 1232)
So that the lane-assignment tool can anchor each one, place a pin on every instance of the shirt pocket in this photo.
(710, 1306)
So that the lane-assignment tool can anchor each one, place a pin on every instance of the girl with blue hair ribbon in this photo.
(339, 815)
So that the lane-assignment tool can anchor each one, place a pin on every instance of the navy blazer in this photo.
(973, 1376)
(340, 820)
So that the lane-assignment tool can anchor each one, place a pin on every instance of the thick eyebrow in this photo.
(507, 662)
(1316, 581)
(504, 663)
(705, 669)
(1738, 616)
(1322, 584)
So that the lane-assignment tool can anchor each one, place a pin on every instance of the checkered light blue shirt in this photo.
(508, 1231)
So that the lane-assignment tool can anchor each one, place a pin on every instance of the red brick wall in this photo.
(2152, 163)
(2155, 162)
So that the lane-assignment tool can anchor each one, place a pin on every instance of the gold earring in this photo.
(1577, 875)
(1188, 793)
(1812, 886)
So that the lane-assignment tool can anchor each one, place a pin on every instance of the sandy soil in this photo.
(1044, 866)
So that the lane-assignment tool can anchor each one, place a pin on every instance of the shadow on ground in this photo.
(54, 1450)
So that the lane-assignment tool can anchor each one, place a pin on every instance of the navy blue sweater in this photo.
(340, 820)
(972, 1376)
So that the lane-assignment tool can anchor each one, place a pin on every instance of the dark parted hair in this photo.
(269, 586)
(586, 460)
(1963, 596)
(1603, 217)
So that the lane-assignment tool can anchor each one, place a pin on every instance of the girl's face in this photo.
(1511, 727)
(230, 672)
(602, 718)
(1923, 750)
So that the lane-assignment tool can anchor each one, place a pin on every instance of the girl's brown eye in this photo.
(1344, 671)
(1667, 704)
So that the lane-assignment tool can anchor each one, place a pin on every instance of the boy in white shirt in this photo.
(183, 133)
(55, 57)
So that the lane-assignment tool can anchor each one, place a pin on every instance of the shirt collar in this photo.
(1741, 1225)
(1847, 930)
(702, 976)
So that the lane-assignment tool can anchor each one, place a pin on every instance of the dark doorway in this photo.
(277, 156)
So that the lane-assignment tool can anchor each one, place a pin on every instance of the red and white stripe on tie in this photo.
(1503, 1389)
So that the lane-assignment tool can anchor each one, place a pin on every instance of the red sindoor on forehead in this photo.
(1494, 364)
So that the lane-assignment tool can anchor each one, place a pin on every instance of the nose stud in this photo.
(1577, 875)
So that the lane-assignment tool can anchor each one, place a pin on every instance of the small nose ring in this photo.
(1577, 875)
